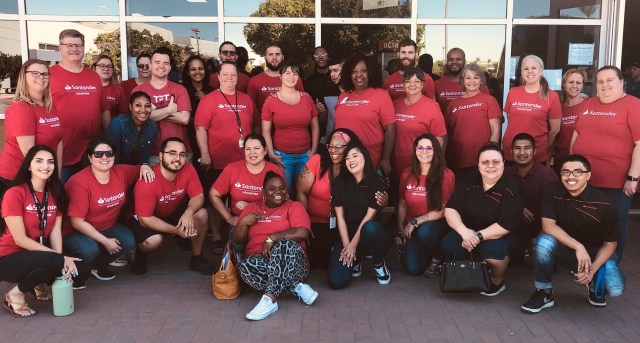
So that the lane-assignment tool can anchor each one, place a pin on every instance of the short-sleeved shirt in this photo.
(355, 198)
(447, 91)
(79, 103)
(161, 197)
(528, 113)
(532, 187)
(290, 122)
(22, 119)
(118, 104)
(590, 218)
(263, 85)
(366, 114)
(567, 125)
(242, 85)
(606, 137)
(289, 215)
(411, 121)
(480, 209)
(100, 204)
(217, 115)
(468, 128)
(319, 200)
(18, 201)
(394, 84)
(161, 98)
(128, 86)
(415, 193)
(241, 185)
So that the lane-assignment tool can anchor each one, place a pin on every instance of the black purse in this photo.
(464, 276)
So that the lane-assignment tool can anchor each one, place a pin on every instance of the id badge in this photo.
(241, 143)
(332, 222)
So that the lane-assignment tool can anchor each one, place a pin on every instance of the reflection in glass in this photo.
(365, 9)
(9, 7)
(439, 9)
(270, 8)
(10, 61)
(72, 7)
(343, 40)
(557, 9)
(172, 7)
(296, 40)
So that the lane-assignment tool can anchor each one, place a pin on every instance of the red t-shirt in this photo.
(22, 119)
(243, 82)
(411, 121)
(366, 114)
(216, 115)
(394, 84)
(447, 91)
(241, 185)
(127, 87)
(18, 201)
(319, 201)
(263, 85)
(416, 194)
(100, 204)
(161, 198)
(161, 98)
(79, 102)
(528, 113)
(468, 128)
(567, 125)
(606, 137)
(286, 216)
(118, 104)
(290, 122)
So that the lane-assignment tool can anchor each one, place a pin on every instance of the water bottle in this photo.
(62, 291)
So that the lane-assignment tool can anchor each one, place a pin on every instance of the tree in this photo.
(10, 68)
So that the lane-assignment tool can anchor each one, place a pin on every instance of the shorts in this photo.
(142, 233)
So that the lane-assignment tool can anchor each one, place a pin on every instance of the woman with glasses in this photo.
(482, 212)
(29, 120)
(143, 67)
(96, 195)
(111, 90)
(572, 105)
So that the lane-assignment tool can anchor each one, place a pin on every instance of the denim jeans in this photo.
(293, 164)
(494, 249)
(622, 204)
(549, 251)
(424, 244)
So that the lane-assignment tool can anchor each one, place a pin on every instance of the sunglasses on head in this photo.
(108, 154)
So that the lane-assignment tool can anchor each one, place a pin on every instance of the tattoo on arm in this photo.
(305, 172)
(283, 234)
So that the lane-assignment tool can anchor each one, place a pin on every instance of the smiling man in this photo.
(228, 53)
(407, 54)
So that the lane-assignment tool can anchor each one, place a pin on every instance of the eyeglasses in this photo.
(336, 147)
(228, 52)
(174, 153)
(108, 154)
(576, 172)
(423, 149)
(492, 162)
(37, 74)
(324, 54)
(143, 66)
(71, 46)
(104, 66)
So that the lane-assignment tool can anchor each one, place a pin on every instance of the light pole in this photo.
(196, 31)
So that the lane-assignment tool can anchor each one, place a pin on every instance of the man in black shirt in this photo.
(319, 85)
(579, 232)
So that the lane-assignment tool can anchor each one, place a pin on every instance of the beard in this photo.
(412, 63)
(169, 167)
(273, 67)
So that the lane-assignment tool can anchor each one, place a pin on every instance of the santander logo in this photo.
(41, 121)
(220, 106)
(243, 186)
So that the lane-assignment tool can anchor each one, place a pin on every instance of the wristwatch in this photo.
(479, 234)
(631, 178)
(414, 222)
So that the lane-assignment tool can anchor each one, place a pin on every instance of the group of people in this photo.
(297, 179)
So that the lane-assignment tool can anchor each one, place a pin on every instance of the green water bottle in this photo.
(62, 297)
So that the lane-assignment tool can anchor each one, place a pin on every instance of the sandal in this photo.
(217, 247)
(40, 293)
(17, 309)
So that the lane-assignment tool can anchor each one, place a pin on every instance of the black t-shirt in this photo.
(479, 209)
(589, 218)
(320, 85)
(355, 198)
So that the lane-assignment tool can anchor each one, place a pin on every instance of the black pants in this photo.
(31, 268)
(319, 250)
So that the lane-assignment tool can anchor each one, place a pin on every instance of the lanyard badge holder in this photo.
(235, 110)
(41, 209)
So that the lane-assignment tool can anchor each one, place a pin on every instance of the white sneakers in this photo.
(306, 293)
(265, 307)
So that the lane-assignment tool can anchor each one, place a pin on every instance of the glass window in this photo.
(72, 7)
(557, 9)
(9, 7)
(366, 8)
(268, 8)
(439, 9)
(10, 61)
(172, 7)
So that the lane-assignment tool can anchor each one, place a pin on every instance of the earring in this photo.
(264, 198)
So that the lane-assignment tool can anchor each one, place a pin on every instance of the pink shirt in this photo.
(290, 122)
(394, 84)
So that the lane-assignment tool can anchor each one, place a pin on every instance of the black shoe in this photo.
(139, 265)
(538, 302)
(597, 302)
(103, 274)
(184, 243)
(78, 285)
(494, 290)
(434, 270)
(198, 264)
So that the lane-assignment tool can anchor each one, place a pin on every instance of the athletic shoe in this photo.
(382, 274)
(434, 270)
(103, 274)
(538, 302)
(139, 265)
(263, 309)
(494, 290)
(306, 293)
(79, 285)
(356, 271)
(597, 302)
(120, 262)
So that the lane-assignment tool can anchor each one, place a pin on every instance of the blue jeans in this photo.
(622, 204)
(69, 171)
(494, 249)
(423, 244)
(549, 251)
(293, 164)
(372, 240)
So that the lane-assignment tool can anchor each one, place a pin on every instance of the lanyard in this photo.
(234, 108)
(41, 209)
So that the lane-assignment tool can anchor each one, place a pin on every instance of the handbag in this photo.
(225, 283)
(464, 276)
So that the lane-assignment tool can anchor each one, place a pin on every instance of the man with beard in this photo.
(319, 85)
(229, 53)
(394, 84)
(268, 82)
(171, 204)
(448, 88)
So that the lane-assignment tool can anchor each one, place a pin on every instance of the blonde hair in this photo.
(544, 84)
(565, 77)
(22, 89)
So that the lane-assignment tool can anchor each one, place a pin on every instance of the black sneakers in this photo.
(139, 265)
(597, 302)
(494, 290)
(538, 302)
(103, 274)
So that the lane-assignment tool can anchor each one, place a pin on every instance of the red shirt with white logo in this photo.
(290, 122)
(118, 104)
(606, 137)
(216, 115)
(100, 204)
(447, 91)
(528, 113)
(22, 119)
(567, 125)
(411, 121)
(366, 114)
(161, 99)
(161, 197)
(468, 128)
(415, 194)
(241, 185)
(242, 85)
(319, 200)
(79, 102)
(18, 201)
(263, 85)
(289, 215)
(394, 84)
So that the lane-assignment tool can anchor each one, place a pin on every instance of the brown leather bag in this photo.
(225, 283)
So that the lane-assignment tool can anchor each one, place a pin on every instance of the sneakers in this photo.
(79, 285)
(494, 290)
(103, 274)
(382, 274)
(538, 302)
(263, 309)
(120, 261)
(356, 271)
(434, 270)
(597, 302)
(139, 265)
(306, 293)
(199, 264)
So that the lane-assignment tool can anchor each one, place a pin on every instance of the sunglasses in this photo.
(108, 154)
(228, 52)
(143, 66)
